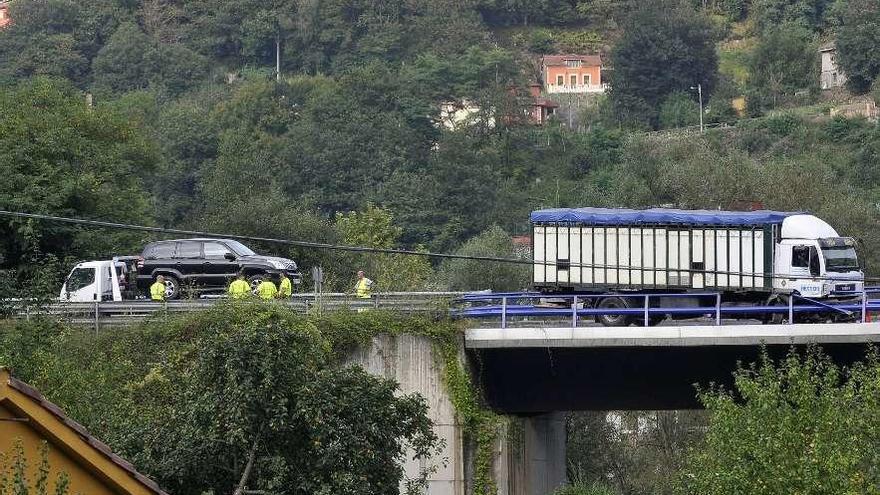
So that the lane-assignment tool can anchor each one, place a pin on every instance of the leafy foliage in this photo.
(61, 157)
(665, 48)
(858, 42)
(470, 274)
(783, 64)
(801, 415)
(14, 469)
(187, 400)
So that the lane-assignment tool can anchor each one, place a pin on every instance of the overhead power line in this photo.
(288, 242)
(406, 252)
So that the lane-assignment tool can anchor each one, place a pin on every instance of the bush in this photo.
(585, 489)
(679, 110)
(479, 274)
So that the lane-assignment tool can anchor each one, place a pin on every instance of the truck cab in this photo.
(94, 281)
(814, 261)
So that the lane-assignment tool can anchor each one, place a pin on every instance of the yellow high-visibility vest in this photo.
(157, 291)
(239, 289)
(363, 288)
(267, 290)
(285, 289)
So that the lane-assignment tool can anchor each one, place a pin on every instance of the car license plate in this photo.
(847, 287)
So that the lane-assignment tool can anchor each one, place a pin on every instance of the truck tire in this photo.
(172, 287)
(775, 318)
(613, 320)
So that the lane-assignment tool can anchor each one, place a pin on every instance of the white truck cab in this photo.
(94, 281)
(814, 261)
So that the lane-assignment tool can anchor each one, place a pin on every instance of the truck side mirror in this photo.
(229, 256)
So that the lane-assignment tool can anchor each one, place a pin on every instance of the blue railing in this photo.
(570, 306)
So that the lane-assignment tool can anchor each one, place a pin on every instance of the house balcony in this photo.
(578, 88)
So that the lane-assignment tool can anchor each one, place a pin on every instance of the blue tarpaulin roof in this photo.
(622, 216)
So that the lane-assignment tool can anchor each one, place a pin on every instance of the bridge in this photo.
(535, 370)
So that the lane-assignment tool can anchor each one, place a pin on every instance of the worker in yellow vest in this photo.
(364, 286)
(239, 288)
(285, 289)
(267, 290)
(157, 290)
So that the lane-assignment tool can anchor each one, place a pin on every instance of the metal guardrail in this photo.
(570, 307)
(123, 313)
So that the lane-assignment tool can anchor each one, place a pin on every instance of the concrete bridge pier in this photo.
(531, 457)
(530, 454)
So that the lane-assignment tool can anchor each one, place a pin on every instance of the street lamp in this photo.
(699, 89)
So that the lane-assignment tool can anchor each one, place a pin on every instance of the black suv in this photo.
(207, 265)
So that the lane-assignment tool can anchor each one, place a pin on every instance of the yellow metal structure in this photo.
(92, 468)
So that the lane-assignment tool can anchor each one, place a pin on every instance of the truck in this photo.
(101, 280)
(754, 258)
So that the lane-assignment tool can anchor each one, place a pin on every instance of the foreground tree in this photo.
(802, 425)
(252, 402)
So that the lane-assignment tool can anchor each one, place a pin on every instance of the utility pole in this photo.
(277, 57)
(699, 89)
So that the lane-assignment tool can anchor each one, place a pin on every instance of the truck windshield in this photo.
(840, 259)
(239, 248)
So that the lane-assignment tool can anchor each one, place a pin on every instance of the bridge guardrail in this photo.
(572, 307)
(123, 313)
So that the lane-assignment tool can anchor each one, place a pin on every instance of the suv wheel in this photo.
(172, 287)
(255, 281)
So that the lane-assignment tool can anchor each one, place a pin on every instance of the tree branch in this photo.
(240, 490)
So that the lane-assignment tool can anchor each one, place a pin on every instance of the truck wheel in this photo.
(776, 318)
(613, 320)
(172, 287)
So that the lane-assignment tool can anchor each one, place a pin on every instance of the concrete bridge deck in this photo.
(672, 336)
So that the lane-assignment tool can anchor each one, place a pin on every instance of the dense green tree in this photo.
(665, 48)
(62, 157)
(42, 41)
(858, 42)
(809, 14)
(187, 401)
(801, 415)
(679, 110)
(374, 227)
(253, 398)
(131, 60)
(479, 275)
(782, 65)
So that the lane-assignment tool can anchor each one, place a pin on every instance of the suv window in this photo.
(215, 250)
(189, 249)
(80, 278)
(159, 251)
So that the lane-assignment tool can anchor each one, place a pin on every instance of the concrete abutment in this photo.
(529, 452)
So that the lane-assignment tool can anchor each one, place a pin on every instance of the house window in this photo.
(587, 79)
(574, 80)
(560, 80)
(573, 63)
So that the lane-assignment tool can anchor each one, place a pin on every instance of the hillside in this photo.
(190, 126)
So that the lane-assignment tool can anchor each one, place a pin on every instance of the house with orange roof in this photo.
(29, 420)
(572, 74)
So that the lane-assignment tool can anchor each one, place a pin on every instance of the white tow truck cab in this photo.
(95, 281)
(744, 256)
